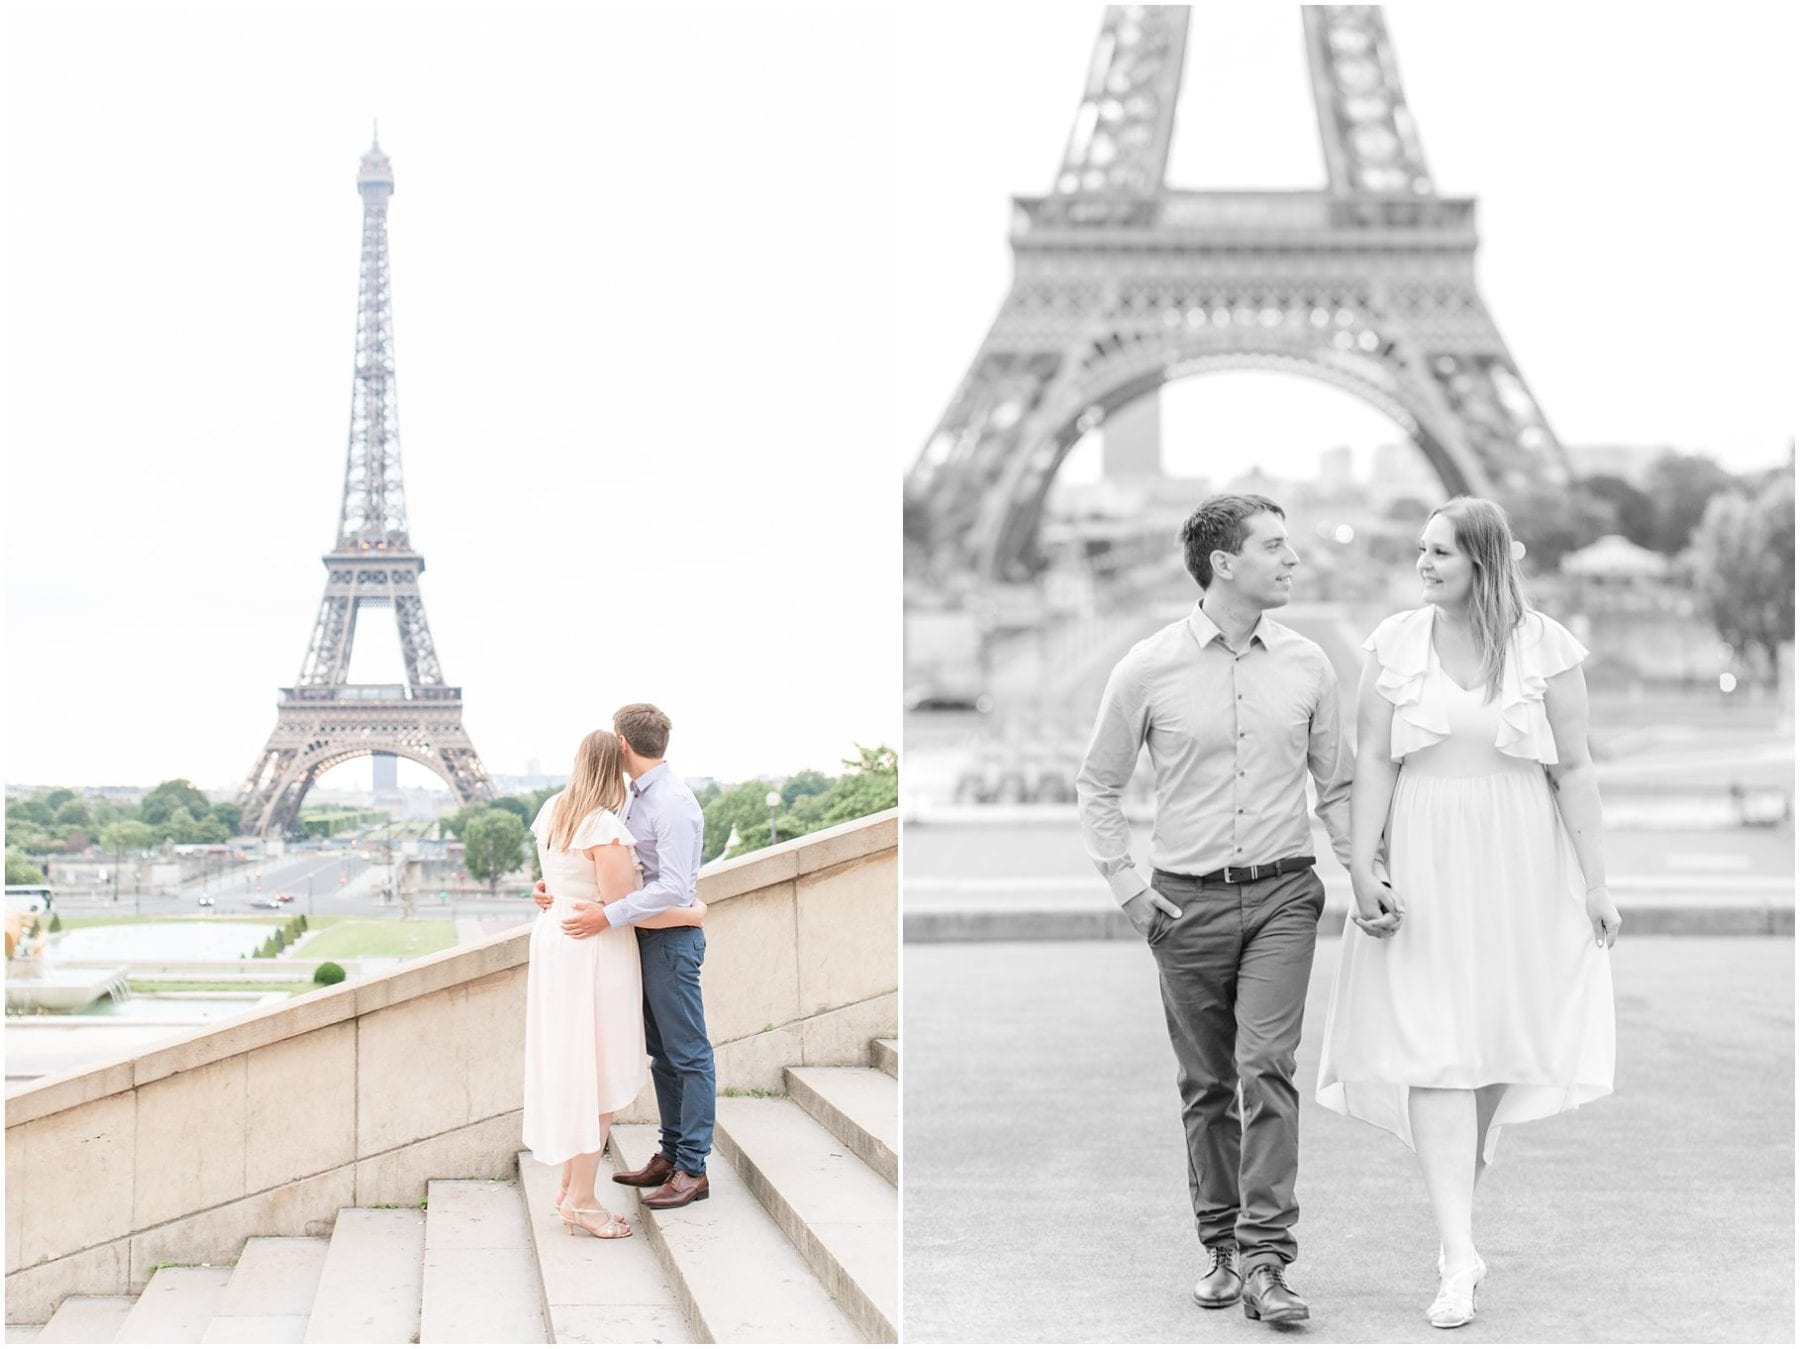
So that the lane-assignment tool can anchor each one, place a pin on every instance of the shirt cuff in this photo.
(1127, 884)
(615, 913)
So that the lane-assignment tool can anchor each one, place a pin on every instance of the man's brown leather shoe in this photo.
(1220, 1286)
(1268, 1298)
(680, 1190)
(658, 1169)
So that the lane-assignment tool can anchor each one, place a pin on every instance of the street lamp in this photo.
(772, 800)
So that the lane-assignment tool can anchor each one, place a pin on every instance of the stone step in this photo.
(885, 1055)
(23, 1334)
(84, 1320)
(861, 1107)
(599, 1291)
(176, 1306)
(270, 1293)
(841, 1215)
(370, 1285)
(480, 1283)
(740, 1280)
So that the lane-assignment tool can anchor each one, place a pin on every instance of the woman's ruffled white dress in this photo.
(1494, 976)
(584, 1005)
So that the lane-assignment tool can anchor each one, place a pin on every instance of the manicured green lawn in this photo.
(350, 937)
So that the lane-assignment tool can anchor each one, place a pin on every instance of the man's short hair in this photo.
(1218, 524)
(645, 727)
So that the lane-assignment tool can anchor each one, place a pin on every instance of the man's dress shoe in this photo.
(1268, 1298)
(1220, 1286)
(680, 1190)
(658, 1169)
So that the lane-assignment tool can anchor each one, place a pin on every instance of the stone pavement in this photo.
(1046, 1187)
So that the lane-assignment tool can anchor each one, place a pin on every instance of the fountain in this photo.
(32, 985)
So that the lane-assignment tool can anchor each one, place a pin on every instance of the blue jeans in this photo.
(681, 1055)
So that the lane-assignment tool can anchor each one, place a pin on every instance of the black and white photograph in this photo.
(1348, 858)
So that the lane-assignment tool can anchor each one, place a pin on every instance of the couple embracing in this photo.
(1473, 986)
(615, 973)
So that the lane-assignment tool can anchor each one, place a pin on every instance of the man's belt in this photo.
(1244, 875)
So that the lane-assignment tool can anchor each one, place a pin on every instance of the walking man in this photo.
(665, 820)
(1236, 710)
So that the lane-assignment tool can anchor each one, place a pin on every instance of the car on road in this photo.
(284, 899)
(206, 901)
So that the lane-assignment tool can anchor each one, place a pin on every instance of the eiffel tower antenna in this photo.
(1121, 284)
(324, 719)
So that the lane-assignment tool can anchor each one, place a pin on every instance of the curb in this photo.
(1021, 924)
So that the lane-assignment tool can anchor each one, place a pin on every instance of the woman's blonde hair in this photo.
(596, 781)
(1497, 589)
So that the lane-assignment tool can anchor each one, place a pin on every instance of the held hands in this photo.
(1379, 908)
(1140, 910)
(542, 897)
(1604, 915)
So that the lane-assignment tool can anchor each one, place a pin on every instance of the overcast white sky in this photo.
(645, 372)
(679, 290)
(1633, 166)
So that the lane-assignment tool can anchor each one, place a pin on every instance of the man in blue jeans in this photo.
(665, 820)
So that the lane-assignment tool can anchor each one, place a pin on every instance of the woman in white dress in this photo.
(584, 1000)
(1474, 988)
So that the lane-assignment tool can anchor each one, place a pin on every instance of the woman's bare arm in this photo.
(1577, 791)
(1371, 795)
(688, 915)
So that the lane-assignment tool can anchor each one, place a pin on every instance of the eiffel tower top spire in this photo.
(373, 516)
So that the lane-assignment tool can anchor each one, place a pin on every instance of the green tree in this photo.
(1743, 562)
(807, 782)
(493, 845)
(741, 807)
(229, 814)
(123, 836)
(58, 797)
(31, 810)
(74, 814)
(21, 870)
(164, 799)
(516, 806)
(1634, 512)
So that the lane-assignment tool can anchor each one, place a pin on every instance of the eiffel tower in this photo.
(1122, 284)
(325, 720)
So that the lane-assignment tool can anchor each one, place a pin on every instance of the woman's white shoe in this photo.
(1455, 1302)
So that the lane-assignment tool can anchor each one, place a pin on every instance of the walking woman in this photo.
(1474, 987)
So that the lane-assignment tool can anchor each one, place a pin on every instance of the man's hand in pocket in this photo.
(1140, 909)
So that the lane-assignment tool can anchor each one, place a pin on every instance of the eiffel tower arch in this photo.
(1122, 284)
(324, 720)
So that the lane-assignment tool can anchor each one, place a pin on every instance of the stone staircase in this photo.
(798, 1242)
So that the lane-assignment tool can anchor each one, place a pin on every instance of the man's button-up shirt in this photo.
(1232, 736)
(665, 820)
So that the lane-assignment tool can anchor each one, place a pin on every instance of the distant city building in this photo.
(1337, 466)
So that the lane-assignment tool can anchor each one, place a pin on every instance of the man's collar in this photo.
(1205, 630)
(638, 784)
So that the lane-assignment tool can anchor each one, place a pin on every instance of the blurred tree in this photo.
(1743, 563)
(1555, 521)
(807, 782)
(164, 799)
(1633, 510)
(123, 836)
(74, 814)
(493, 845)
(1680, 485)
(229, 814)
(21, 870)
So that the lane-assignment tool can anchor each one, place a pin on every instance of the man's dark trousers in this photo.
(681, 1055)
(1234, 971)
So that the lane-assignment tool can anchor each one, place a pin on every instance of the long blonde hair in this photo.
(1497, 589)
(597, 781)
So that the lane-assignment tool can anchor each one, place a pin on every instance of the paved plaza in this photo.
(1046, 1187)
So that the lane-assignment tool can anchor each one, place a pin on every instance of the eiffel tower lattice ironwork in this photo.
(1121, 284)
(324, 719)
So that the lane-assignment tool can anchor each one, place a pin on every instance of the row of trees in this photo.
(496, 837)
(57, 820)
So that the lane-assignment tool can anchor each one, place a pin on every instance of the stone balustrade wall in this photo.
(359, 1094)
